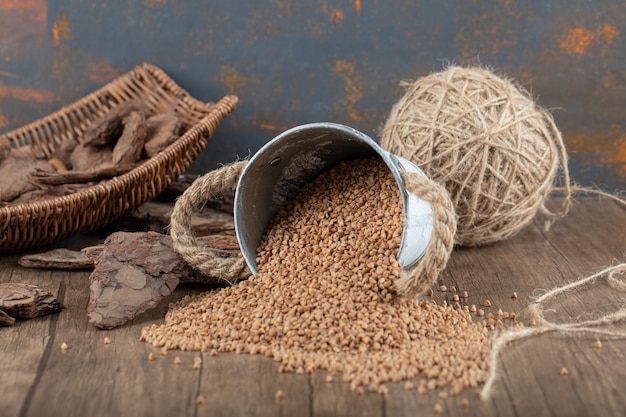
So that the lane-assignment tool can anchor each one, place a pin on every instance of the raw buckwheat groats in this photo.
(324, 298)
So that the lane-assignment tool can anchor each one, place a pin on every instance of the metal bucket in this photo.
(298, 155)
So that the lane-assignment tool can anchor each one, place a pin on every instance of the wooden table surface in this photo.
(94, 379)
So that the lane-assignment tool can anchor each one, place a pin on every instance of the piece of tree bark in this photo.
(64, 150)
(226, 244)
(133, 273)
(155, 216)
(14, 170)
(61, 258)
(5, 319)
(57, 164)
(128, 279)
(106, 129)
(93, 252)
(163, 130)
(27, 301)
(129, 146)
(78, 177)
(5, 148)
(85, 157)
(28, 151)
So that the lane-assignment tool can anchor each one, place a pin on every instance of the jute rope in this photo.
(410, 281)
(536, 310)
(424, 273)
(184, 240)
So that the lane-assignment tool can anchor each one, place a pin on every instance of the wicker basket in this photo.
(38, 223)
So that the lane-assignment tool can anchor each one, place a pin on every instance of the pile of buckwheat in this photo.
(324, 299)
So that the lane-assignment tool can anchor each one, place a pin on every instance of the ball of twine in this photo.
(411, 280)
(484, 138)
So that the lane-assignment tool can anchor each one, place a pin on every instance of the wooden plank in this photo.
(24, 346)
(93, 378)
(246, 385)
(97, 379)
(592, 236)
(335, 399)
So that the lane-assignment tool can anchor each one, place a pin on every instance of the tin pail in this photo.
(294, 158)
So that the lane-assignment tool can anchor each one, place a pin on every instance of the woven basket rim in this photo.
(80, 103)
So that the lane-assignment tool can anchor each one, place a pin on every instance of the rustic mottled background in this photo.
(293, 62)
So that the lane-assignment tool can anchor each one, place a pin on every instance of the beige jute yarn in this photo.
(484, 138)
(410, 281)
(205, 260)
(614, 275)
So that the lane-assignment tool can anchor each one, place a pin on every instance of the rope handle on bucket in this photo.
(410, 282)
(184, 240)
(424, 273)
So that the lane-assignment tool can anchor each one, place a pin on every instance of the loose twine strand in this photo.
(544, 326)
(184, 240)
(410, 281)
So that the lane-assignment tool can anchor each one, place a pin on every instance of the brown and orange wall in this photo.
(293, 62)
